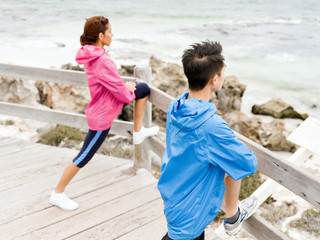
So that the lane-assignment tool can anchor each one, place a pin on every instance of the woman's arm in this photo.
(110, 78)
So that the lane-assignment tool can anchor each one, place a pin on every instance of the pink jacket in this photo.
(107, 88)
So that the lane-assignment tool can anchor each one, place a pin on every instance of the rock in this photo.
(127, 70)
(271, 135)
(117, 146)
(277, 109)
(241, 123)
(62, 45)
(168, 77)
(18, 91)
(126, 113)
(69, 66)
(229, 97)
(63, 97)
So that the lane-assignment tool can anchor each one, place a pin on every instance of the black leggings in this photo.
(94, 139)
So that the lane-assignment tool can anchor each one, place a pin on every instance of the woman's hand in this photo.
(131, 86)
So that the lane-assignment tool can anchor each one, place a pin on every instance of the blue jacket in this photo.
(201, 148)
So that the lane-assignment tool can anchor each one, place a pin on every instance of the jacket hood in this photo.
(189, 114)
(88, 53)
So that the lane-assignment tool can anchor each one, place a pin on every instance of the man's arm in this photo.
(229, 153)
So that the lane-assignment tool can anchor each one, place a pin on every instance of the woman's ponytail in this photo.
(92, 28)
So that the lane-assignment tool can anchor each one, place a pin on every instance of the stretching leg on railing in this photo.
(93, 141)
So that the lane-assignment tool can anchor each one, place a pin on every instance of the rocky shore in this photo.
(269, 131)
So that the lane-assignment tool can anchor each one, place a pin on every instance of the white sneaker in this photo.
(139, 137)
(247, 208)
(62, 201)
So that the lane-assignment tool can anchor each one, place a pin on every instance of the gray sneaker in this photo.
(247, 208)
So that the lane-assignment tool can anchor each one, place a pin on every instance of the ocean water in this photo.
(271, 46)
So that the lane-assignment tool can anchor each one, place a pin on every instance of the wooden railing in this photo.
(282, 172)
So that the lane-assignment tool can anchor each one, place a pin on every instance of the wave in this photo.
(281, 57)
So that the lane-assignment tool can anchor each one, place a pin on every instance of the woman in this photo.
(109, 94)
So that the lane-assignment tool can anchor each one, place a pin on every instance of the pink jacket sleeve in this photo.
(110, 78)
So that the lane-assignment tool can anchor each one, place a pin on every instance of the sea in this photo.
(271, 46)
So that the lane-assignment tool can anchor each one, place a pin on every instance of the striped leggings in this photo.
(94, 139)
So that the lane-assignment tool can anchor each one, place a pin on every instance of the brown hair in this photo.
(92, 28)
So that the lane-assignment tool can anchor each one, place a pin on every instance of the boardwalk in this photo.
(116, 201)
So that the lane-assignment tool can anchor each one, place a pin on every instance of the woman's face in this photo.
(107, 36)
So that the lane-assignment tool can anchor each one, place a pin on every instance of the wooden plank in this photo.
(25, 171)
(270, 186)
(15, 160)
(7, 141)
(77, 78)
(15, 147)
(142, 157)
(210, 234)
(114, 202)
(30, 176)
(44, 114)
(93, 197)
(287, 174)
(263, 230)
(60, 117)
(159, 98)
(32, 198)
(122, 224)
(307, 135)
(34, 153)
(122, 128)
(87, 201)
(156, 145)
(48, 164)
(155, 229)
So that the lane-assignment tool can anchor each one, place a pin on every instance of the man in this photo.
(204, 161)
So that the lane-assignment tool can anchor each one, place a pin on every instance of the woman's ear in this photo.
(101, 36)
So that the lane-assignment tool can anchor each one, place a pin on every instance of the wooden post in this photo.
(144, 73)
(142, 158)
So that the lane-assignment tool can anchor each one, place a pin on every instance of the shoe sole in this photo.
(236, 230)
(66, 209)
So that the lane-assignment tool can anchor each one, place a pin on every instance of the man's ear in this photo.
(214, 79)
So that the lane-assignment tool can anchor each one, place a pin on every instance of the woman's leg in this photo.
(91, 144)
(142, 92)
(140, 133)
(67, 175)
(139, 107)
